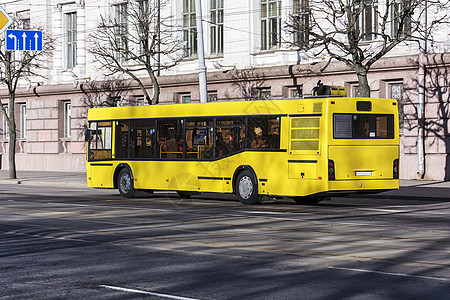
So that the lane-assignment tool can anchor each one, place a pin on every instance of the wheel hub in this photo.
(125, 183)
(245, 187)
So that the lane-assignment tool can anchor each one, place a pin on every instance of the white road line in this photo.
(385, 210)
(263, 212)
(144, 292)
(389, 273)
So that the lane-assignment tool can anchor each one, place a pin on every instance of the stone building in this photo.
(243, 44)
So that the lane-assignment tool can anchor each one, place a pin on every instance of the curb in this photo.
(43, 183)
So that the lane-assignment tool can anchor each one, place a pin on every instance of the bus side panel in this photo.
(165, 175)
(101, 175)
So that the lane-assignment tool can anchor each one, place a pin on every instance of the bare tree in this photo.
(247, 82)
(105, 93)
(14, 66)
(137, 39)
(360, 32)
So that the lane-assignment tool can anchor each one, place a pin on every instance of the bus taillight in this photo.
(331, 175)
(395, 169)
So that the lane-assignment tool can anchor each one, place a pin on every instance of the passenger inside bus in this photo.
(274, 138)
(259, 141)
(172, 146)
(221, 146)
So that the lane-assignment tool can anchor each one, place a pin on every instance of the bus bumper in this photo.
(363, 186)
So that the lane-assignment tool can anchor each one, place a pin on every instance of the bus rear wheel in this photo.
(125, 184)
(247, 188)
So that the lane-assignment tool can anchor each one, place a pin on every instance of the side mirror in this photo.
(87, 135)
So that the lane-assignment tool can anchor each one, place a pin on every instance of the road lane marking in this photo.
(386, 210)
(144, 292)
(390, 273)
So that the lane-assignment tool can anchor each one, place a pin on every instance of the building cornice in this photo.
(266, 73)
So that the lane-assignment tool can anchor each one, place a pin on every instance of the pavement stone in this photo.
(409, 189)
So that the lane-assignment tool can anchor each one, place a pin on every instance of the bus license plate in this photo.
(363, 173)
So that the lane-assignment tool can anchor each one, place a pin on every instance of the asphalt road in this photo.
(75, 243)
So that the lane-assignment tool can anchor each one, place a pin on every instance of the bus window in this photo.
(122, 139)
(230, 136)
(263, 132)
(142, 138)
(199, 139)
(100, 140)
(170, 136)
(363, 126)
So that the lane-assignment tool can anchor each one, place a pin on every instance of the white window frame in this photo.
(189, 28)
(121, 23)
(70, 30)
(400, 103)
(217, 14)
(67, 119)
(368, 19)
(5, 123)
(301, 12)
(270, 21)
(23, 121)
(396, 7)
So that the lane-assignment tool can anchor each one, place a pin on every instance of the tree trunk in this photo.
(156, 89)
(12, 137)
(364, 88)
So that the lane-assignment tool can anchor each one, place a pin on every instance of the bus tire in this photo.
(247, 188)
(125, 183)
(306, 200)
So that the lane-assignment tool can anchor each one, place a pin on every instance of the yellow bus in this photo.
(305, 149)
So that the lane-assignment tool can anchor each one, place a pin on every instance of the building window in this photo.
(24, 19)
(189, 28)
(185, 98)
(67, 119)
(265, 94)
(121, 26)
(5, 134)
(140, 101)
(23, 121)
(216, 26)
(355, 91)
(296, 92)
(396, 92)
(212, 96)
(270, 24)
(71, 39)
(367, 23)
(400, 17)
(300, 18)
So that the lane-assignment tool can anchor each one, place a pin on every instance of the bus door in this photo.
(100, 155)
(304, 147)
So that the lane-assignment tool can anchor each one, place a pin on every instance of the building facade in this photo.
(247, 57)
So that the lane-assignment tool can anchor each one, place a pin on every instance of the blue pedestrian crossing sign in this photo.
(24, 40)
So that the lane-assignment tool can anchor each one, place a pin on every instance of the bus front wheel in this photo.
(247, 188)
(125, 184)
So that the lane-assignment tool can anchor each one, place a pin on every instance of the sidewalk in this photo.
(45, 178)
(409, 189)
